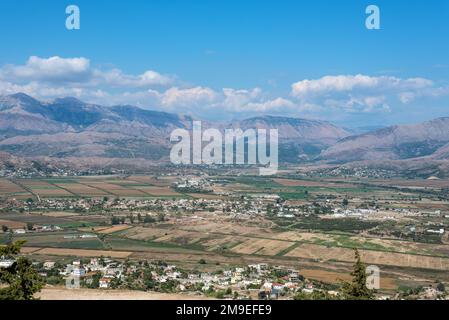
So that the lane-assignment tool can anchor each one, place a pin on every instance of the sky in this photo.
(225, 59)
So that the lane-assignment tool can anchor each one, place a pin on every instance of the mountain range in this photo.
(68, 128)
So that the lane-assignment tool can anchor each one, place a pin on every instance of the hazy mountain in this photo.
(393, 143)
(71, 128)
(300, 140)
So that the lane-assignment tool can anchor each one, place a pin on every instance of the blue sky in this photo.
(233, 59)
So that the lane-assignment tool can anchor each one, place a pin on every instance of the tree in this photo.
(29, 226)
(345, 202)
(315, 295)
(4, 228)
(161, 217)
(149, 219)
(115, 220)
(357, 289)
(21, 279)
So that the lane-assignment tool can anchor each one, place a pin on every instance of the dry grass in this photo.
(59, 214)
(80, 252)
(337, 277)
(99, 294)
(12, 224)
(305, 183)
(262, 247)
(322, 253)
(82, 190)
(114, 229)
(7, 187)
(142, 233)
(158, 191)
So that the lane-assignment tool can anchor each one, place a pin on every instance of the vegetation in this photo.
(21, 279)
(357, 289)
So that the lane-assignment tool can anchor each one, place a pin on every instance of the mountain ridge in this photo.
(69, 127)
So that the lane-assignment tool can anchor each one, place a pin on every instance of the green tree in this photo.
(21, 279)
(149, 219)
(161, 217)
(357, 289)
(115, 220)
(29, 226)
(4, 228)
(315, 295)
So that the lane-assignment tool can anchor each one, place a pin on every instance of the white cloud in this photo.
(176, 97)
(362, 93)
(57, 70)
(117, 78)
(51, 69)
(48, 78)
(350, 83)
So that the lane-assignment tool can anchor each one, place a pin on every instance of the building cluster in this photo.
(260, 281)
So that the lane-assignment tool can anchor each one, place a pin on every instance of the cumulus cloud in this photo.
(53, 77)
(78, 71)
(362, 93)
(52, 69)
(349, 83)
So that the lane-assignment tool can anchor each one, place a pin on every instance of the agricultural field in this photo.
(262, 247)
(81, 253)
(321, 245)
(326, 254)
(89, 187)
(9, 189)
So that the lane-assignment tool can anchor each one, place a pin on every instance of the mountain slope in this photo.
(68, 127)
(392, 143)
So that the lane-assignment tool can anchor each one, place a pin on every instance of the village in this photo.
(257, 281)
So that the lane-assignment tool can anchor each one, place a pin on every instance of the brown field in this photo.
(323, 253)
(261, 247)
(34, 218)
(7, 187)
(117, 190)
(158, 191)
(217, 242)
(34, 183)
(82, 190)
(206, 196)
(28, 250)
(160, 182)
(12, 224)
(141, 233)
(99, 294)
(80, 252)
(94, 229)
(419, 183)
(59, 214)
(337, 277)
(180, 237)
(114, 229)
(51, 192)
(214, 224)
(306, 183)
